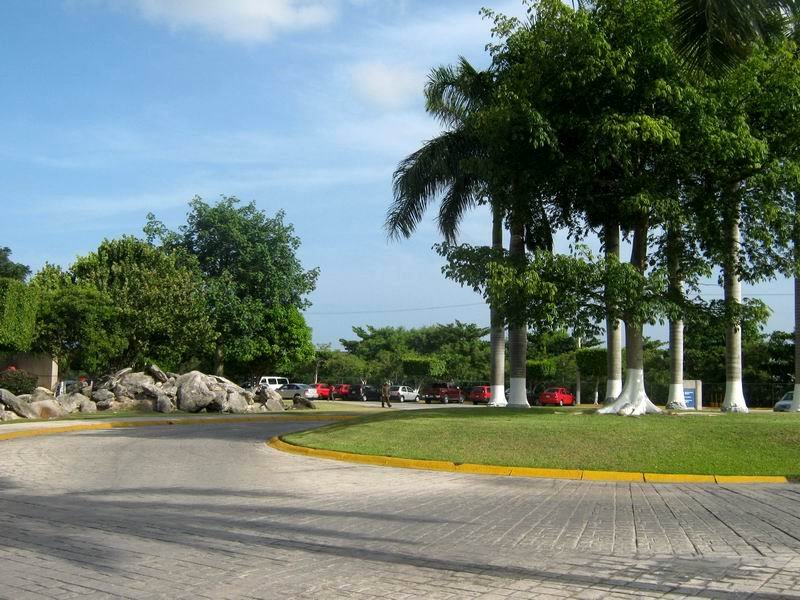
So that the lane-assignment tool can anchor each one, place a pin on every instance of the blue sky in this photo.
(110, 109)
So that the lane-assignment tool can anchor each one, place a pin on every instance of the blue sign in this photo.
(690, 397)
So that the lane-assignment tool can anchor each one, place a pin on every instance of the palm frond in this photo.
(423, 176)
(463, 194)
(453, 92)
(714, 35)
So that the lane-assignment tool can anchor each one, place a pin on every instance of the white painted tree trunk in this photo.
(676, 399)
(734, 394)
(613, 326)
(633, 400)
(497, 335)
(578, 378)
(518, 333)
(795, 406)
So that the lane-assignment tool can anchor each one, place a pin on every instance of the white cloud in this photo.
(388, 86)
(239, 20)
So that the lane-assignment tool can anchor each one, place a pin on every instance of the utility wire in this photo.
(394, 310)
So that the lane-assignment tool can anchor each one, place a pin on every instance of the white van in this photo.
(272, 382)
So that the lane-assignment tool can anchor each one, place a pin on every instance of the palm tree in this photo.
(441, 168)
(714, 35)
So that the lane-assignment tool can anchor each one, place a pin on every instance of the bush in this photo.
(17, 382)
(18, 305)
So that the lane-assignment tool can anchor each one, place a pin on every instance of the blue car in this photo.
(785, 403)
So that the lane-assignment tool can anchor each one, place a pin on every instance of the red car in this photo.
(340, 390)
(324, 390)
(480, 394)
(559, 396)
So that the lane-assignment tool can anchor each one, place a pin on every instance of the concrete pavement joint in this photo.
(476, 469)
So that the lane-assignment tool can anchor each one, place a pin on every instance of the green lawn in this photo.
(709, 443)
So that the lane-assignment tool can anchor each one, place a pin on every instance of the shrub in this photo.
(18, 306)
(17, 381)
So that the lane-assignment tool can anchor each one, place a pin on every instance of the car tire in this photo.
(416, 399)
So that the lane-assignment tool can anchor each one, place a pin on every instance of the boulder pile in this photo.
(150, 390)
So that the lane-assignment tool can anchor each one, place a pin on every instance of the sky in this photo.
(110, 109)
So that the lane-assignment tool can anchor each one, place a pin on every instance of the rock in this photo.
(164, 404)
(193, 392)
(26, 398)
(103, 396)
(71, 402)
(156, 373)
(136, 383)
(86, 388)
(87, 406)
(120, 391)
(170, 389)
(119, 374)
(626, 410)
(237, 403)
(7, 415)
(14, 404)
(48, 409)
(300, 402)
(42, 393)
(270, 399)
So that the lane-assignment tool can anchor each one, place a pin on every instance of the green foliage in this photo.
(10, 269)
(254, 285)
(157, 301)
(541, 370)
(18, 306)
(592, 362)
(78, 324)
(17, 381)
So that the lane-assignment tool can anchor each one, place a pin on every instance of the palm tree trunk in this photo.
(497, 335)
(633, 400)
(734, 394)
(676, 400)
(578, 377)
(613, 328)
(518, 332)
(796, 396)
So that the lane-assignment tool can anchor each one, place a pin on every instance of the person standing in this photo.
(385, 395)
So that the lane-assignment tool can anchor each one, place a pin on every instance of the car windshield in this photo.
(394, 388)
(551, 390)
(787, 397)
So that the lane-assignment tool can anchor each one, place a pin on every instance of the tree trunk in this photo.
(796, 396)
(734, 394)
(518, 332)
(613, 329)
(633, 400)
(578, 377)
(219, 360)
(497, 335)
(676, 400)
(596, 386)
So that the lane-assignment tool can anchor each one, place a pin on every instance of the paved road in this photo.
(210, 512)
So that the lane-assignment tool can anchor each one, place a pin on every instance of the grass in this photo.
(323, 408)
(709, 444)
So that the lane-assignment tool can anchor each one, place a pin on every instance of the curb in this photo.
(439, 465)
(11, 435)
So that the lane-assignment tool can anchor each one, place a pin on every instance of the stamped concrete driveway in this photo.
(211, 512)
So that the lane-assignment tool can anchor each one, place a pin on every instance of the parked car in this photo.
(785, 403)
(403, 393)
(340, 390)
(324, 390)
(446, 393)
(558, 396)
(273, 382)
(295, 390)
(363, 393)
(480, 394)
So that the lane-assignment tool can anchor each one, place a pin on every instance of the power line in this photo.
(395, 310)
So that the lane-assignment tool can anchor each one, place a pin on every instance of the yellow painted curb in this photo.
(548, 473)
(750, 479)
(11, 435)
(483, 469)
(668, 478)
(612, 476)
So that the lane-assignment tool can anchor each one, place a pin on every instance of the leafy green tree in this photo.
(18, 306)
(592, 363)
(10, 269)
(77, 324)
(255, 284)
(158, 299)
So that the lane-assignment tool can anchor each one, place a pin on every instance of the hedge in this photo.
(18, 306)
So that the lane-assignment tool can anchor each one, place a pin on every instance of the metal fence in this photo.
(757, 395)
